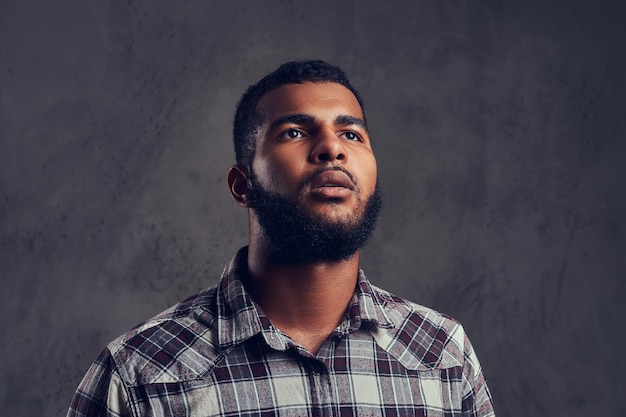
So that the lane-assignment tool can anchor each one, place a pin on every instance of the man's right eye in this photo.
(291, 134)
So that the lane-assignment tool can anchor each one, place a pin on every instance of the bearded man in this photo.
(294, 327)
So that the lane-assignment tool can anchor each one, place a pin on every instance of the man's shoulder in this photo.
(423, 337)
(177, 344)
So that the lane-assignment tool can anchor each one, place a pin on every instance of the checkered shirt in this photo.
(217, 354)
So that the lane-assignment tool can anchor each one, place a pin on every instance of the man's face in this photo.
(313, 180)
(313, 149)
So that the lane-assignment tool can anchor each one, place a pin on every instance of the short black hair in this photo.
(247, 120)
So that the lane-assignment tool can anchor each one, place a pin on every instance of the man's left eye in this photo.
(351, 136)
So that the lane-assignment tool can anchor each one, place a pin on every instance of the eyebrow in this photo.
(343, 120)
(297, 119)
(351, 120)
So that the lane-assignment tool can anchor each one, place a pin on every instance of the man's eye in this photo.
(292, 134)
(351, 136)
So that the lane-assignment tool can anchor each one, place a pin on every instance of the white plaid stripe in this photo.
(217, 354)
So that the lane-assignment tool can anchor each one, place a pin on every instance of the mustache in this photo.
(311, 177)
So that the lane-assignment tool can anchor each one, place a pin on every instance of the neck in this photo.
(306, 301)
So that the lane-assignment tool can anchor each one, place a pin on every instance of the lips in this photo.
(332, 184)
(332, 179)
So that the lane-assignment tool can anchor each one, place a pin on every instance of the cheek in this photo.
(369, 176)
(276, 173)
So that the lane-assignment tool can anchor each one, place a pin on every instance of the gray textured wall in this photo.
(499, 130)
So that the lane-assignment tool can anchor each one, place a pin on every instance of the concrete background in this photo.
(499, 130)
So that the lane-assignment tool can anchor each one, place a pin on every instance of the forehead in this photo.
(316, 99)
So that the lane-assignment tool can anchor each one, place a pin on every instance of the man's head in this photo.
(306, 168)
(247, 119)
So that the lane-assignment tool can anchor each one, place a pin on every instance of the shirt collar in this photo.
(367, 307)
(240, 318)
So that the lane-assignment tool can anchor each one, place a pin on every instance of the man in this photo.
(294, 327)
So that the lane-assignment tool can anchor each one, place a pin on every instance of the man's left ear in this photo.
(238, 185)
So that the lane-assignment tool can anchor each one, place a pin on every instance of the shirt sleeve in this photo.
(477, 400)
(101, 393)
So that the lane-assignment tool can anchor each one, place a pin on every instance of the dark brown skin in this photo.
(307, 301)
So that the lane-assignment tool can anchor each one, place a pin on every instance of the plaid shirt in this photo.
(217, 354)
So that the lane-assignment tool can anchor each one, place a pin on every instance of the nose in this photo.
(328, 148)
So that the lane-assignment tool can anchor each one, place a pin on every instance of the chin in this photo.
(335, 216)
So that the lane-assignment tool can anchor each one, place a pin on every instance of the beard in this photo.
(294, 236)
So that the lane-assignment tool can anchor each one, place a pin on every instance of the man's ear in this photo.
(238, 185)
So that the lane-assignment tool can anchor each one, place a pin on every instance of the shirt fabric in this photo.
(217, 354)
